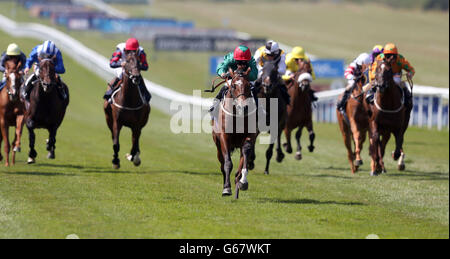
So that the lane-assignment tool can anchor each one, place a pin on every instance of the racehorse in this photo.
(12, 109)
(234, 105)
(388, 114)
(128, 108)
(299, 112)
(46, 109)
(270, 89)
(354, 123)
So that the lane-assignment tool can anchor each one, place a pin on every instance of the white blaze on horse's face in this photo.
(12, 77)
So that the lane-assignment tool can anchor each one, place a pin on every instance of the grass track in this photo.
(176, 192)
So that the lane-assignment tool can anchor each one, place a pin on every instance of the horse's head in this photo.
(384, 76)
(269, 77)
(131, 68)
(240, 89)
(304, 81)
(14, 79)
(47, 74)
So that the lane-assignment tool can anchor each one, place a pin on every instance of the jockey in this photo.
(358, 67)
(118, 62)
(47, 50)
(13, 52)
(241, 57)
(376, 51)
(295, 60)
(399, 63)
(271, 52)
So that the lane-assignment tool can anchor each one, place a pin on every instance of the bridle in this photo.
(387, 82)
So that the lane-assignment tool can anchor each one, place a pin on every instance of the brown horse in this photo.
(354, 124)
(270, 90)
(299, 112)
(12, 109)
(128, 108)
(388, 114)
(235, 106)
(46, 109)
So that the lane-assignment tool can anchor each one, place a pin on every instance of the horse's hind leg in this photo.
(347, 135)
(135, 151)
(32, 154)
(298, 135)
(381, 149)
(312, 136)
(398, 154)
(358, 138)
(5, 133)
(280, 155)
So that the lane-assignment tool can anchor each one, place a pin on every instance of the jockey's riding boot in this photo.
(313, 96)
(26, 88)
(369, 95)
(408, 98)
(112, 86)
(255, 91)
(285, 94)
(218, 98)
(341, 104)
(146, 94)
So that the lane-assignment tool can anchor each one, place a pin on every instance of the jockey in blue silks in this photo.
(46, 50)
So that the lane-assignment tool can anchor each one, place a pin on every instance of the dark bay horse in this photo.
(12, 109)
(299, 111)
(387, 115)
(269, 89)
(46, 108)
(235, 106)
(128, 108)
(354, 124)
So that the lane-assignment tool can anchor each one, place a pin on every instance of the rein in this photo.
(234, 98)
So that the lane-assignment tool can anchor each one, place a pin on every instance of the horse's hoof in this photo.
(287, 148)
(401, 167)
(251, 165)
(384, 171)
(280, 157)
(51, 155)
(31, 161)
(266, 172)
(243, 186)
(298, 156)
(16, 149)
(358, 163)
(226, 192)
(116, 166)
(373, 174)
(311, 148)
(396, 156)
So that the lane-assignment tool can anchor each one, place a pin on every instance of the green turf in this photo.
(176, 193)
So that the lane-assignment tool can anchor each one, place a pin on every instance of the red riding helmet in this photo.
(242, 53)
(132, 44)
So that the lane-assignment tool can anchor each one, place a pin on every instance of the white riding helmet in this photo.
(363, 59)
(272, 47)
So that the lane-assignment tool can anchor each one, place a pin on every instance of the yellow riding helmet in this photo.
(13, 50)
(390, 48)
(298, 53)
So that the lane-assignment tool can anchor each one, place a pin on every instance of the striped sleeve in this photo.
(115, 59)
(349, 71)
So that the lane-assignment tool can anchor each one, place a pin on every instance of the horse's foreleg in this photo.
(135, 151)
(51, 143)
(381, 149)
(298, 136)
(374, 143)
(312, 136)
(358, 139)
(288, 145)
(32, 154)
(347, 136)
(5, 134)
(269, 154)
(116, 146)
(227, 165)
(241, 176)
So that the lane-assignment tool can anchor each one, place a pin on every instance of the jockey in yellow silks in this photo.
(295, 60)
(398, 63)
